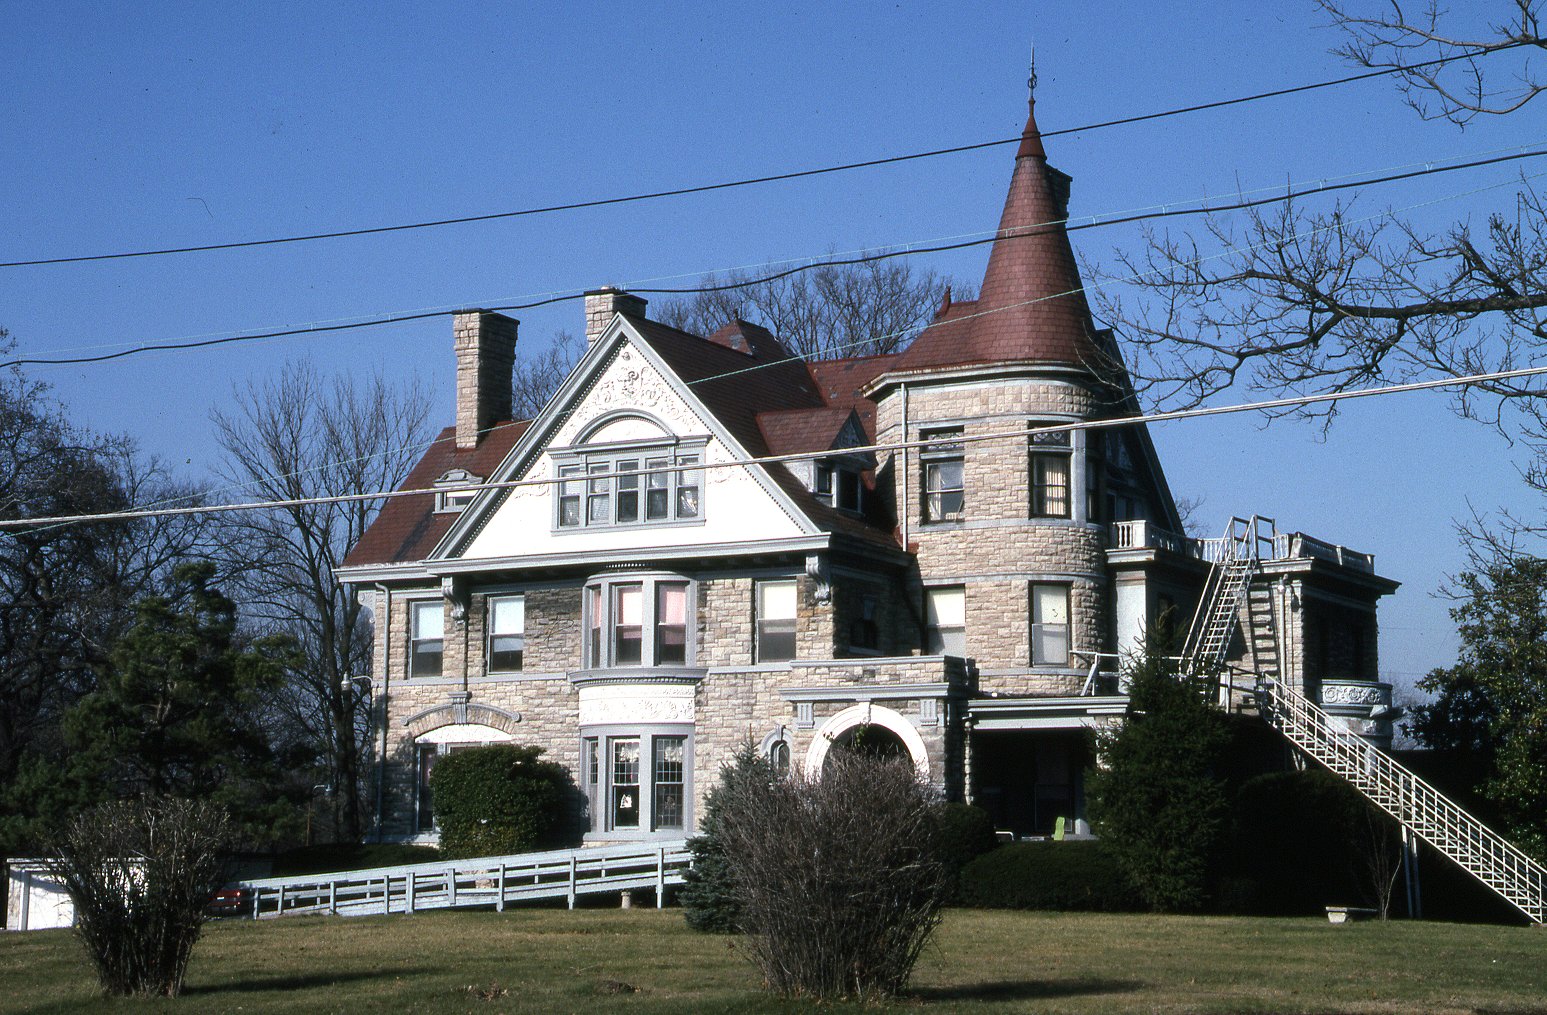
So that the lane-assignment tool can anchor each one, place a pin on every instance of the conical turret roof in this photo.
(1031, 307)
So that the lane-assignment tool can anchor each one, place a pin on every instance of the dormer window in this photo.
(838, 487)
(451, 490)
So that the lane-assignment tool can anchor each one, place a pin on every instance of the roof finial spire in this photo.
(1031, 138)
(1031, 75)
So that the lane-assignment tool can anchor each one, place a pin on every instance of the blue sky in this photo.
(169, 124)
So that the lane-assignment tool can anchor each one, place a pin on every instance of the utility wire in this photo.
(732, 373)
(633, 285)
(1067, 225)
(757, 180)
(1268, 405)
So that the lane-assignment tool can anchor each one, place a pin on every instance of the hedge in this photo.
(1067, 876)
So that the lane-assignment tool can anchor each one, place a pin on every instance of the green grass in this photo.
(981, 961)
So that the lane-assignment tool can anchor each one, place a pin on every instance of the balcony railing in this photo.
(1139, 534)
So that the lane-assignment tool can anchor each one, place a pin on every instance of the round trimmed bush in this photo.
(495, 800)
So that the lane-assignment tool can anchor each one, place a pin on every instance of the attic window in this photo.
(838, 486)
(642, 485)
(451, 493)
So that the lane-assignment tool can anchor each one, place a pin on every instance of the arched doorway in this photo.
(871, 729)
(870, 740)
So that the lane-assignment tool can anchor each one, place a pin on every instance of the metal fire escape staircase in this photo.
(1418, 806)
(1236, 560)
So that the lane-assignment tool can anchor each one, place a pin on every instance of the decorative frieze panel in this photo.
(634, 704)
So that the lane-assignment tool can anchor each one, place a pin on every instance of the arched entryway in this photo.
(869, 729)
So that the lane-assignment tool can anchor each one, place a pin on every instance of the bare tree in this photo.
(141, 874)
(836, 873)
(830, 312)
(1332, 300)
(67, 591)
(538, 377)
(1386, 37)
(300, 436)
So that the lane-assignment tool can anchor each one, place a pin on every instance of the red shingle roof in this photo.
(1030, 308)
(409, 527)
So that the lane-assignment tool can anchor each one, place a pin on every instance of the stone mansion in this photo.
(920, 563)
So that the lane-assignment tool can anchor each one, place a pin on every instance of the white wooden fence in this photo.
(483, 881)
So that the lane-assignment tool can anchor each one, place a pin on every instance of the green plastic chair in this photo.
(1058, 830)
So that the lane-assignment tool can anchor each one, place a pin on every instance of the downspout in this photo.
(904, 483)
(384, 600)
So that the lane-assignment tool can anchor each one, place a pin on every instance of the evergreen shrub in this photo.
(962, 834)
(495, 800)
(1158, 800)
(1080, 876)
(708, 896)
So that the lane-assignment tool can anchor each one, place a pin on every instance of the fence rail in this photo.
(484, 881)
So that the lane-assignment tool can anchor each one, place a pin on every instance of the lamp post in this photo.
(347, 687)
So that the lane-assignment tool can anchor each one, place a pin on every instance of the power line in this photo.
(1068, 225)
(1268, 405)
(634, 284)
(756, 180)
(859, 342)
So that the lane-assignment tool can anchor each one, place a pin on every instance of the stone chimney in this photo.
(486, 355)
(601, 304)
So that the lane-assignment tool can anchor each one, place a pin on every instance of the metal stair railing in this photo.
(1417, 805)
(481, 881)
(1229, 582)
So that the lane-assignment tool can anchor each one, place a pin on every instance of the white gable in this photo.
(631, 403)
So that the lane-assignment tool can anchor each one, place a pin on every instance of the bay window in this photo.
(636, 780)
(637, 621)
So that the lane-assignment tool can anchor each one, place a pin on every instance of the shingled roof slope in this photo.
(1030, 307)
(408, 528)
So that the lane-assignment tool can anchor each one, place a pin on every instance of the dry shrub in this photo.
(141, 874)
(837, 875)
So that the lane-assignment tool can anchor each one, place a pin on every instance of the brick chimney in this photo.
(486, 355)
(601, 304)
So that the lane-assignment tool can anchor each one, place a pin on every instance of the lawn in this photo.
(646, 961)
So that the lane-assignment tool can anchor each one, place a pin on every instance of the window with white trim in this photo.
(637, 781)
(776, 602)
(945, 613)
(636, 487)
(507, 633)
(1049, 625)
(944, 465)
(638, 621)
(426, 638)
(1049, 463)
